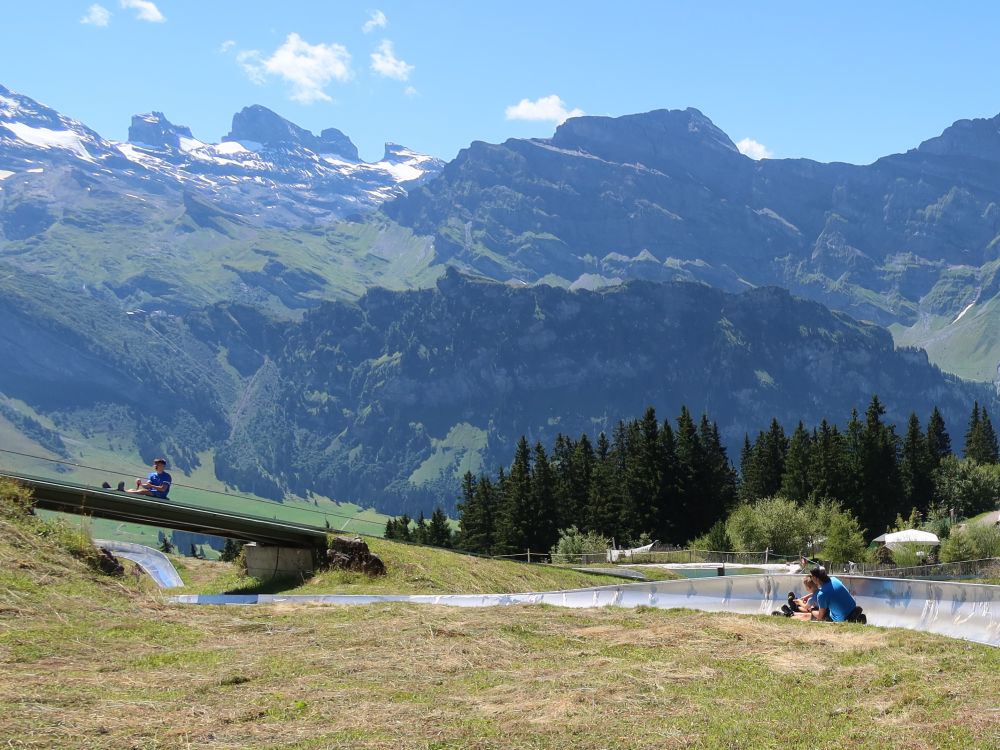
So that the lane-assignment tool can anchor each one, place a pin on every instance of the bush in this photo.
(772, 522)
(15, 499)
(844, 540)
(714, 540)
(957, 547)
(966, 486)
(573, 544)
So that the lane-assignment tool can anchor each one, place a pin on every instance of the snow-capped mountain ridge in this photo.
(265, 162)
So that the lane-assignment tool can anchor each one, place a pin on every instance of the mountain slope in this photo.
(267, 171)
(391, 399)
(666, 195)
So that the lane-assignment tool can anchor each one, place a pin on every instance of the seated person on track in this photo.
(804, 603)
(832, 601)
(157, 484)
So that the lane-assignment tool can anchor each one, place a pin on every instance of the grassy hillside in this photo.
(92, 662)
(412, 569)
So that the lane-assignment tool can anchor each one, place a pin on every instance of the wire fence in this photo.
(634, 557)
(986, 568)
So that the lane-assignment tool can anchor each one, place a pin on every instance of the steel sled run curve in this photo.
(957, 610)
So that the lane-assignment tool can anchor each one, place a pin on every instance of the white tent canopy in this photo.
(908, 536)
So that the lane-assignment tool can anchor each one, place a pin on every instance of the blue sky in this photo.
(847, 81)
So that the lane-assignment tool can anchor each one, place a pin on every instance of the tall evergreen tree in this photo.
(795, 481)
(938, 440)
(748, 482)
(477, 515)
(419, 533)
(973, 449)
(667, 500)
(767, 464)
(828, 465)
(689, 493)
(403, 532)
(543, 531)
(603, 507)
(564, 476)
(646, 475)
(514, 529)
(881, 492)
(987, 439)
(719, 478)
(916, 467)
(438, 530)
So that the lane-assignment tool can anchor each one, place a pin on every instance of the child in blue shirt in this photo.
(157, 484)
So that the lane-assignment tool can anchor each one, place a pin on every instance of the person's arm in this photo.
(818, 614)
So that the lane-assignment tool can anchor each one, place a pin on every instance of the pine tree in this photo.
(987, 439)
(543, 530)
(438, 530)
(718, 477)
(916, 467)
(748, 482)
(419, 534)
(938, 440)
(628, 454)
(688, 451)
(390, 529)
(795, 480)
(514, 530)
(828, 465)
(667, 501)
(603, 507)
(972, 448)
(477, 515)
(166, 547)
(881, 491)
(403, 532)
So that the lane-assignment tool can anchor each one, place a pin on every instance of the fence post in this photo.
(529, 555)
(766, 550)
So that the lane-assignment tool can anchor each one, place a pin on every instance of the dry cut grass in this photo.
(86, 662)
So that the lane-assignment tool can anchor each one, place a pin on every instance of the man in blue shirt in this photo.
(833, 600)
(157, 484)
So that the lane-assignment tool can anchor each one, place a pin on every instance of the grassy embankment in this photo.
(92, 662)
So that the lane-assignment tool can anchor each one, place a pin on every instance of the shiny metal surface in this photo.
(154, 562)
(958, 610)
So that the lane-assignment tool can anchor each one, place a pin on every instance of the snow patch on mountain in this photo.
(46, 138)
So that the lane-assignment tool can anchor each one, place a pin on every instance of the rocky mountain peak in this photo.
(258, 124)
(154, 129)
(979, 138)
(647, 138)
(332, 141)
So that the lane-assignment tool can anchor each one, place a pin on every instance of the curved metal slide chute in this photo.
(958, 610)
(154, 562)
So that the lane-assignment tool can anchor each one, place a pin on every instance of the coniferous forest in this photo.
(674, 482)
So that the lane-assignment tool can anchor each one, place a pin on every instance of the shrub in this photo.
(772, 522)
(957, 547)
(573, 544)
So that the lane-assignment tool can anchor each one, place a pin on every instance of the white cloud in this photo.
(147, 10)
(385, 63)
(410, 91)
(750, 147)
(97, 15)
(547, 108)
(309, 68)
(226, 46)
(377, 21)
